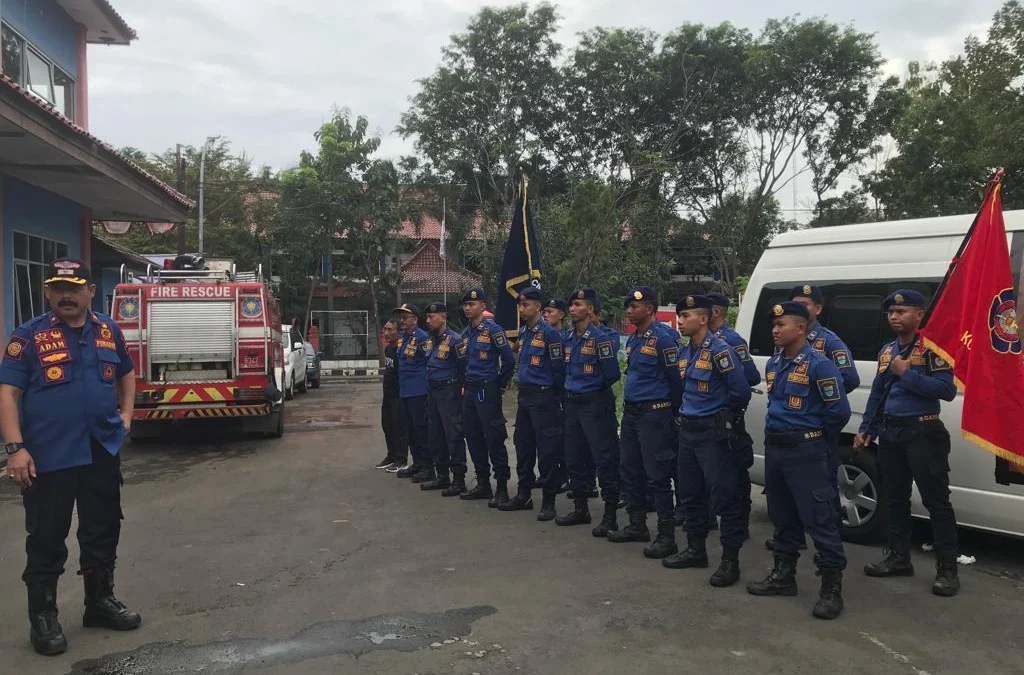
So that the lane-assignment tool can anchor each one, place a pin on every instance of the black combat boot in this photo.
(893, 565)
(440, 482)
(578, 516)
(409, 471)
(547, 507)
(481, 491)
(664, 544)
(694, 555)
(523, 501)
(728, 571)
(780, 581)
(46, 633)
(458, 487)
(830, 597)
(424, 475)
(500, 495)
(102, 609)
(636, 530)
(947, 580)
(609, 523)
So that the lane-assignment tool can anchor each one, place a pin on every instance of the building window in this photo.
(27, 66)
(32, 258)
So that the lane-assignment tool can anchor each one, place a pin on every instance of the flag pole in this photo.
(444, 252)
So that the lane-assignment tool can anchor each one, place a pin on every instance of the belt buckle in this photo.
(661, 406)
(811, 435)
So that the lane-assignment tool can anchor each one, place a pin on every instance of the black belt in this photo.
(911, 422)
(441, 384)
(646, 406)
(534, 388)
(697, 423)
(792, 437)
(478, 384)
(584, 398)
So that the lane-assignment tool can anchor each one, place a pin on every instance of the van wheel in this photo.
(304, 387)
(860, 496)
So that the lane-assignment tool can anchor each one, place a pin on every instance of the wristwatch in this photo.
(11, 448)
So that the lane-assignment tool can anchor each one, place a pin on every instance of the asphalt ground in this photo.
(296, 556)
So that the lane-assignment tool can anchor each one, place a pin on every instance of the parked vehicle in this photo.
(856, 266)
(206, 345)
(293, 376)
(312, 366)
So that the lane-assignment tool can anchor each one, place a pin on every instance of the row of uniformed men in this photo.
(683, 421)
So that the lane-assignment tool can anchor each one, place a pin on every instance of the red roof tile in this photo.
(430, 228)
(109, 149)
(425, 274)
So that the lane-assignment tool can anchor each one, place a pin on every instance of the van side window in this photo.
(853, 310)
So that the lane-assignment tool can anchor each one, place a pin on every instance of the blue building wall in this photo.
(47, 27)
(32, 210)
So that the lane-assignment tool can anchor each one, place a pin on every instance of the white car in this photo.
(294, 371)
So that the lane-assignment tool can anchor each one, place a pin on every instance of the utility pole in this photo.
(202, 187)
(179, 170)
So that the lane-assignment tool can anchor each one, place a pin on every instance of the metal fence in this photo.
(345, 337)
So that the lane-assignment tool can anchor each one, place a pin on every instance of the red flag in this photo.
(973, 324)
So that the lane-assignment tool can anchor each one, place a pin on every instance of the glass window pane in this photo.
(38, 297)
(20, 246)
(38, 76)
(48, 251)
(64, 93)
(62, 250)
(35, 249)
(13, 51)
(23, 289)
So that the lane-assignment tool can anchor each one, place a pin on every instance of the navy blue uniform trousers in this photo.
(801, 490)
(484, 425)
(416, 426)
(648, 457)
(444, 424)
(591, 439)
(538, 437)
(713, 477)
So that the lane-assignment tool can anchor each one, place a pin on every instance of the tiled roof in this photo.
(425, 274)
(430, 228)
(105, 147)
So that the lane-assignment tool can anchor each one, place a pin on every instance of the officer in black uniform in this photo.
(71, 373)
(807, 410)
(446, 367)
(913, 442)
(538, 434)
(554, 315)
(392, 414)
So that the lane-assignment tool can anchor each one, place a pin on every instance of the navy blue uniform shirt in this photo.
(917, 392)
(739, 345)
(446, 358)
(541, 360)
(824, 341)
(412, 363)
(712, 380)
(591, 361)
(805, 393)
(490, 356)
(68, 381)
(652, 366)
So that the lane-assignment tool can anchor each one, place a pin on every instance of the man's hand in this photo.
(126, 421)
(899, 366)
(861, 441)
(21, 468)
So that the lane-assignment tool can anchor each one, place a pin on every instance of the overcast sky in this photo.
(265, 73)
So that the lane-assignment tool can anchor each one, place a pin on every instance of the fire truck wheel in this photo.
(289, 393)
(278, 429)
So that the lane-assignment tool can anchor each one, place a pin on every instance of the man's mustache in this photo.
(67, 303)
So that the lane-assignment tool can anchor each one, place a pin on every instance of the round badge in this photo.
(14, 349)
(128, 309)
(777, 310)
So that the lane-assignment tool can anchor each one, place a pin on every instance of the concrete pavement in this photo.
(295, 556)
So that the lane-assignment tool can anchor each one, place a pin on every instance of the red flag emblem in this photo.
(973, 325)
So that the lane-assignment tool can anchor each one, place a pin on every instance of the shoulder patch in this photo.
(671, 356)
(463, 347)
(605, 350)
(829, 389)
(499, 338)
(741, 351)
(15, 348)
(937, 364)
(555, 349)
(723, 360)
(841, 358)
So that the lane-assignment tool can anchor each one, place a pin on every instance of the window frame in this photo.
(28, 47)
(36, 297)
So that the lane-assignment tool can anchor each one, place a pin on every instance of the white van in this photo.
(856, 266)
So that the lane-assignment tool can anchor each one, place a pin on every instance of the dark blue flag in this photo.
(521, 267)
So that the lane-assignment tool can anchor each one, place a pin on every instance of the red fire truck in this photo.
(206, 345)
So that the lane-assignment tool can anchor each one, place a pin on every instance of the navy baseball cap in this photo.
(436, 307)
(474, 295)
(693, 302)
(531, 293)
(808, 291)
(556, 303)
(905, 297)
(407, 308)
(642, 294)
(718, 299)
(790, 308)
